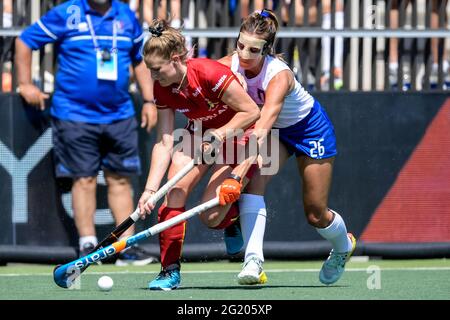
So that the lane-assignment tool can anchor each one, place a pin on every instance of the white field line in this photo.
(234, 271)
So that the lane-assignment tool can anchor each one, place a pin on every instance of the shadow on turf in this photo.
(250, 287)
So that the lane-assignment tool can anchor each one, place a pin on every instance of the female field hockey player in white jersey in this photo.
(304, 130)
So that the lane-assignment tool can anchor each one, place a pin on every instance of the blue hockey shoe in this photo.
(167, 279)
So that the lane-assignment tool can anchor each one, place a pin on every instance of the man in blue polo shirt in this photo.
(93, 120)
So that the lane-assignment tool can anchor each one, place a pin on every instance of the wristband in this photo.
(150, 101)
(235, 177)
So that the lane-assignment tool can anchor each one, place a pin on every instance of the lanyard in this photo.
(94, 37)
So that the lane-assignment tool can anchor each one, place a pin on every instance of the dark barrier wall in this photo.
(391, 184)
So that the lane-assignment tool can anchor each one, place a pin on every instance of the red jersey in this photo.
(200, 100)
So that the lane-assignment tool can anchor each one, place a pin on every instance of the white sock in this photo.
(338, 42)
(188, 25)
(175, 23)
(326, 43)
(336, 233)
(252, 212)
(445, 67)
(393, 66)
(87, 239)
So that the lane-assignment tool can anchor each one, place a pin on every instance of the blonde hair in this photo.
(164, 41)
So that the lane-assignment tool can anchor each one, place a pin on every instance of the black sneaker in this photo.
(87, 249)
(135, 256)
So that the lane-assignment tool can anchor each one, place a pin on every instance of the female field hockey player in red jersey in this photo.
(213, 100)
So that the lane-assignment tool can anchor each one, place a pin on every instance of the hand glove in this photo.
(230, 190)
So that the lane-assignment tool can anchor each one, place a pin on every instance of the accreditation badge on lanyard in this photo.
(106, 58)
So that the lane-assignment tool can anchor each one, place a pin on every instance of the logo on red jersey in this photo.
(197, 91)
(211, 105)
(219, 83)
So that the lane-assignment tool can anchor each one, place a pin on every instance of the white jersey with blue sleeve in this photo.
(297, 104)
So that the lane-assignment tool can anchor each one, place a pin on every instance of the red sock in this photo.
(171, 240)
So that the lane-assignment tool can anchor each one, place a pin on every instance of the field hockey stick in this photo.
(120, 229)
(65, 275)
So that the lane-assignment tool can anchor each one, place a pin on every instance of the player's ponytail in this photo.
(269, 14)
(164, 41)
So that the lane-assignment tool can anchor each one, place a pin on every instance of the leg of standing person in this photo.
(288, 45)
(298, 54)
(171, 240)
(120, 201)
(178, 21)
(393, 44)
(394, 18)
(234, 152)
(84, 204)
(245, 7)
(6, 47)
(225, 217)
(314, 142)
(316, 177)
(259, 5)
(245, 10)
(76, 156)
(338, 45)
(147, 11)
(328, 223)
(119, 150)
(150, 12)
(120, 198)
(175, 13)
(253, 213)
(435, 24)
